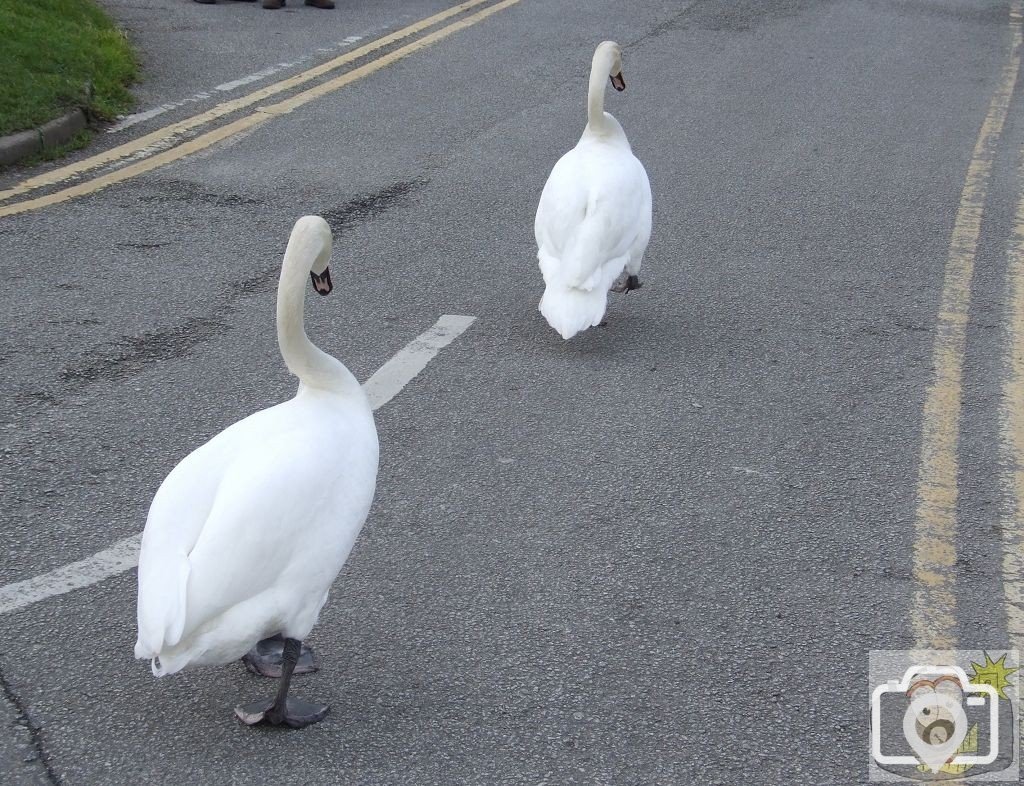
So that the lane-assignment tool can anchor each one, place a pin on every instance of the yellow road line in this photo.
(1013, 433)
(933, 615)
(260, 116)
(163, 136)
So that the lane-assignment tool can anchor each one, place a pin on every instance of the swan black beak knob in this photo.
(618, 82)
(322, 283)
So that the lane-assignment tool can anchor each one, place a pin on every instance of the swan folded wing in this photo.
(274, 524)
(562, 206)
(644, 211)
(598, 251)
(590, 220)
(176, 518)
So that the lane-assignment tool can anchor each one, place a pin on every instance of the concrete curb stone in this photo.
(19, 146)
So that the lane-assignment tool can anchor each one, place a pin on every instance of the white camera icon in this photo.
(934, 723)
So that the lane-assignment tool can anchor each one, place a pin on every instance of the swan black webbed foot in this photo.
(296, 713)
(266, 657)
(292, 712)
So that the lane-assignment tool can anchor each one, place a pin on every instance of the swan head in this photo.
(314, 231)
(610, 53)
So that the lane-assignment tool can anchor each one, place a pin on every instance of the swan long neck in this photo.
(599, 72)
(314, 367)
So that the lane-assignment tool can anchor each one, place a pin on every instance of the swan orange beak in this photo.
(322, 283)
(618, 82)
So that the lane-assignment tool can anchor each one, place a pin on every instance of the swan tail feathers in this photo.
(167, 664)
(569, 310)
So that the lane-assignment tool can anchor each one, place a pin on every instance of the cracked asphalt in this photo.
(657, 554)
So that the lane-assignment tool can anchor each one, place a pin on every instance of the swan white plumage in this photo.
(594, 217)
(246, 534)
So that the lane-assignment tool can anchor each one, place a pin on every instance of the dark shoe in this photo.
(273, 3)
(320, 3)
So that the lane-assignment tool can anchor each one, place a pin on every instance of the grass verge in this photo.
(59, 54)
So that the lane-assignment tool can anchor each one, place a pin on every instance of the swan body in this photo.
(594, 217)
(247, 533)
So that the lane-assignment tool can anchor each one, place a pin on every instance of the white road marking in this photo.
(127, 121)
(253, 77)
(140, 117)
(751, 471)
(383, 386)
(397, 372)
(122, 556)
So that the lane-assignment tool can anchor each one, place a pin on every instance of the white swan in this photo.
(246, 534)
(594, 217)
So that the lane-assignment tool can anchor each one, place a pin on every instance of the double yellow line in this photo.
(1012, 524)
(152, 151)
(1013, 434)
(933, 613)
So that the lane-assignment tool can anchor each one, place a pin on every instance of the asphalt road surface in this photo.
(659, 553)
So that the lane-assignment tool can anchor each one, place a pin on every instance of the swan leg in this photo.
(627, 282)
(282, 709)
(266, 657)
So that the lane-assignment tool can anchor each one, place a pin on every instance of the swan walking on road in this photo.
(594, 217)
(246, 534)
